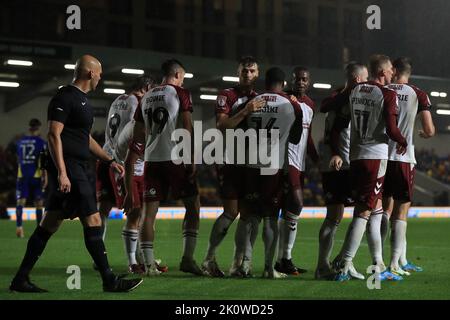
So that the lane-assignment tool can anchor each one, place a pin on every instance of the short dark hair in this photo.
(376, 63)
(170, 67)
(34, 124)
(247, 61)
(353, 68)
(274, 76)
(142, 82)
(300, 68)
(403, 66)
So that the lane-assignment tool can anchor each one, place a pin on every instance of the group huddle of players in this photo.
(368, 161)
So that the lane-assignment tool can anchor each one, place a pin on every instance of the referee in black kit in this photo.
(70, 194)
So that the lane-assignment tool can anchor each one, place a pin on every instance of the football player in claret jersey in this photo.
(263, 190)
(373, 114)
(164, 109)
(31, 176)
(229, 116)
(336, 169)
(399, 181)
(297, 158)
(120, 113)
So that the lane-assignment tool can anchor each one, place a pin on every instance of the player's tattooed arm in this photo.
(225, 122)
(56, 151)
(428, 129)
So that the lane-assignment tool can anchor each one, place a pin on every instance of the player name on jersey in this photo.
(364, 101)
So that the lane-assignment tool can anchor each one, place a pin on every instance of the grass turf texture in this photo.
(428, 246)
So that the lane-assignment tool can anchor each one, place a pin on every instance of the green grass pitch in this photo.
(428, 246)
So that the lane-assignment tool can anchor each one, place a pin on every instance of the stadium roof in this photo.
(48, 72)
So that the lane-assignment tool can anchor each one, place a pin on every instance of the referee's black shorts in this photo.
(80, 202)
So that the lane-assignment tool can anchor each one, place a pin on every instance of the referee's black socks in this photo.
(35, 247)
(96, 247)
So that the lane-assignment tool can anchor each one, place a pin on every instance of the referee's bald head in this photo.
(88, 71)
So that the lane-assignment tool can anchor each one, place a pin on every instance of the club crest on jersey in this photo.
(221, 101)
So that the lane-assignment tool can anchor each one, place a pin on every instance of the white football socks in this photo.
(218, 232)
(241, 238)
(287, 234)
(403, 260)
(374, 237)
(254, 222)
(147, 252)
(130, 239)
(384, 227)
(398, 239)
(270, 237)
(353, 238)
(326, 242)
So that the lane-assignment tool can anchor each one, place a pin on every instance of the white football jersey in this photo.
(120, 152)
(160, 110)
(368, 138)
(297, 152)
(411, 100)
(280, 112)
(120, 113)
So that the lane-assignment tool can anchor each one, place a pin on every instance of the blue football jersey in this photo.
(29, 150)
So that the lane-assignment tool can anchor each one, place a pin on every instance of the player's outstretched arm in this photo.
(334, 102)
(428, 129)
(56, 151)
(224, 122)
(95, 148)
(340, 123)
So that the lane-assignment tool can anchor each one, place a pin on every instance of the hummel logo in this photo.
(378, 188)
